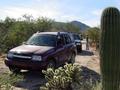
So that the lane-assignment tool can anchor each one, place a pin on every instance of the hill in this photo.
(61, 25)
(80, 25)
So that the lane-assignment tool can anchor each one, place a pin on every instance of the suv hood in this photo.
(31, 49)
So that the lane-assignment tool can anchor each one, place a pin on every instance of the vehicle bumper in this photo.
(79, 48)
(25, 65)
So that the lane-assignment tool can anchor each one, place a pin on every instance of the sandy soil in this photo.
(89, 58)
(33, 80)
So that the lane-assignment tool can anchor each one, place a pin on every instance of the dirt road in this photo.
(33, 80)
(89, 58)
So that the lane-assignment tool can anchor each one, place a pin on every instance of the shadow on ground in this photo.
(89, 79)
(34, 80)
(86, 53)
(89, 74)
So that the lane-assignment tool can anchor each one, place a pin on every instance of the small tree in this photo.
(72, 28)
(44, 24)
(94, 35)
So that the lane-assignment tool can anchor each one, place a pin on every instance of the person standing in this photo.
(87, 42)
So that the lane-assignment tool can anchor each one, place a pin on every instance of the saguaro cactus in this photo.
(110, 49)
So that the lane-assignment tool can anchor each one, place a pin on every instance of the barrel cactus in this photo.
(110, 49)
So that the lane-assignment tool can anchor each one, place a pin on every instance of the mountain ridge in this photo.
(81, 26)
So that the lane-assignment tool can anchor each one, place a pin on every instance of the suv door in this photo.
(68, 47)
(61, 51)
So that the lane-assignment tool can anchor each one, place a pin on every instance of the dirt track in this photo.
(89, 58)
(33, 80)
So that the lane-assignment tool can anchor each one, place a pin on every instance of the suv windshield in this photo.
(42, 40)
(76, 37)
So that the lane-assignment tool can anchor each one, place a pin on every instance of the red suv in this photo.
(42, 50)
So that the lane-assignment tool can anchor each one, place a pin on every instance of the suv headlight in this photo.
(10, 55)
(36, 58)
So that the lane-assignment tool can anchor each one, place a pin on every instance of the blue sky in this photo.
(86, 11)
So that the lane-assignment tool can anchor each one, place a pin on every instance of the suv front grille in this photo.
(21, 56)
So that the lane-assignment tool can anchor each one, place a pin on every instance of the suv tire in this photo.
(72, 59)
(80, 49)
(14, 69)
(51, 64)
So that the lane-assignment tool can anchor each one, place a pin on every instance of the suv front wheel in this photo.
(14, 69)
(72, 59)
(51, 64)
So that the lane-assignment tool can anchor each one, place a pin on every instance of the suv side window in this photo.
(62, 39)
(67, 39)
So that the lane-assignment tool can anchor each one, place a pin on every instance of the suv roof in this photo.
(52, 33)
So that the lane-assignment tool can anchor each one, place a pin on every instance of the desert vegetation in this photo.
(15, 31)
(9, 80)
(110, 50)
(94, 36)
(69, 77)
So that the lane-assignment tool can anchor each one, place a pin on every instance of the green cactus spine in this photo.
(110, 49)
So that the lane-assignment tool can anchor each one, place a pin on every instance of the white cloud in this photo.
(53, 13)
(92, 22)
(17, 12)
(97, 12)
(95, 20)
(51, 10)
(36, 8)
(67, 17)
(45, 11)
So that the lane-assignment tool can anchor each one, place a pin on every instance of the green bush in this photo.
(69, 77)
(97, 87)
(62, 78)
(7, 81)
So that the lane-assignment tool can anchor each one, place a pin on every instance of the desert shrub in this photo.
(94, 36)
(7, 80)
(97, 87)
(69, 77)
(62, 78)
